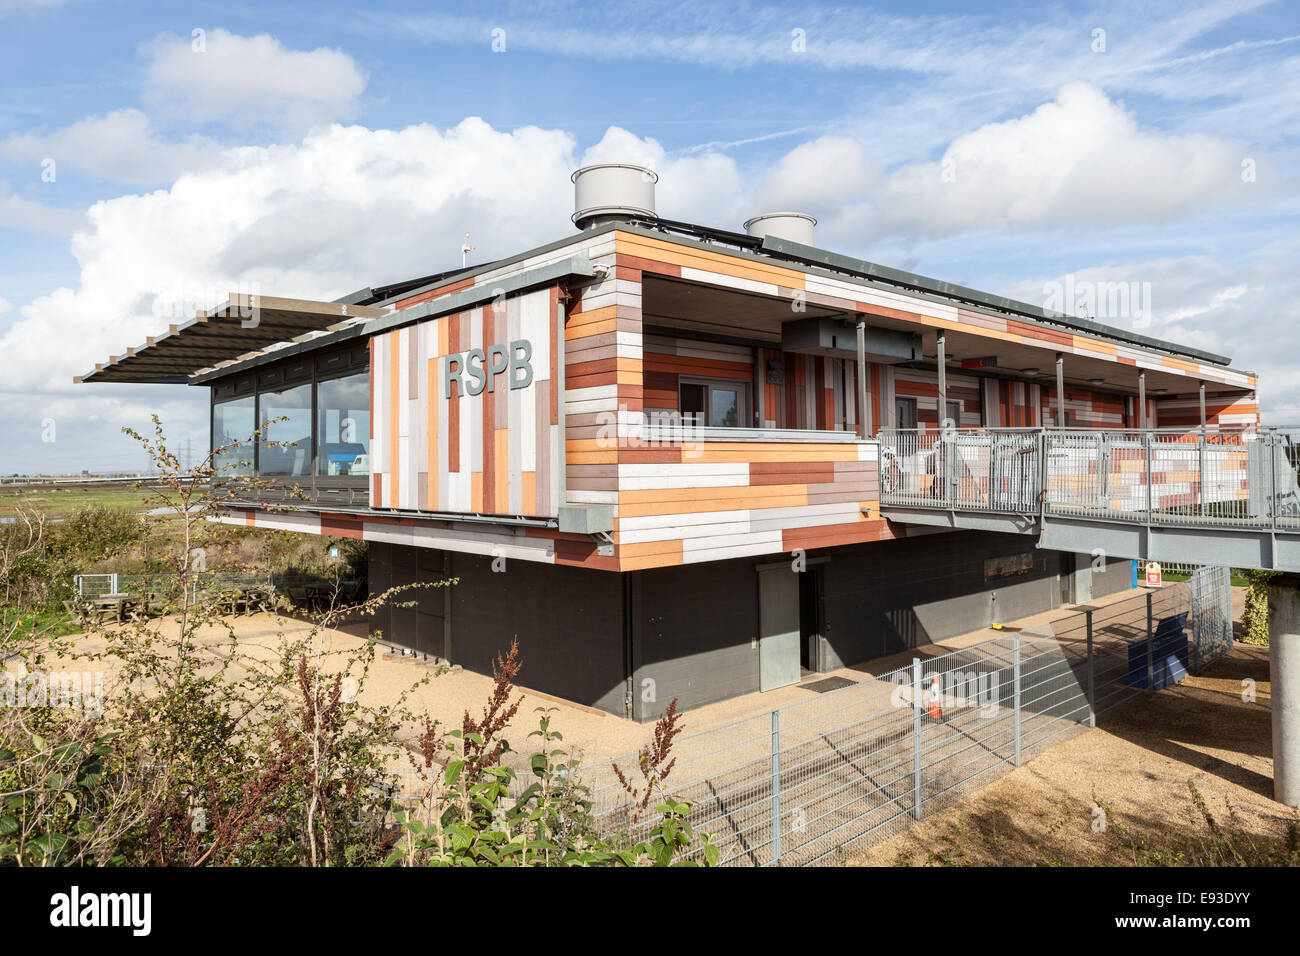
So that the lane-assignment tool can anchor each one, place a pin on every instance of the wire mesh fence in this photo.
(808, 782)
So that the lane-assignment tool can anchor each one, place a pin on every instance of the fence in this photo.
(800, 784)
(1223, 476)
(97, 585)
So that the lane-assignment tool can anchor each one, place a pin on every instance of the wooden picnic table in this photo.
(116, 606)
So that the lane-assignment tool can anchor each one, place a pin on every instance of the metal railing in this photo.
(1220, 476)
(809, 781)
(96, 585)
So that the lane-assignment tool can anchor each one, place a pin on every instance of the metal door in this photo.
(778, 627)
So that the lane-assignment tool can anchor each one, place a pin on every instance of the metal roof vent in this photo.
(606, 192)
(792, 226)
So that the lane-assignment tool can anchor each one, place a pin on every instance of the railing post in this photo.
(1272, 486)
(1200, 461)
(776, 787)
(1147, 439)
(1042, 477)
(1015, 666)
(916, 737)
(1151, 671)
(1092, 686)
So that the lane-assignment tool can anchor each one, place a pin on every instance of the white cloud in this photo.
(1079, 159)
(121, 146)
(249, 82)
(348, 207)
(818, 174)
(1241, 309)
(17, 212)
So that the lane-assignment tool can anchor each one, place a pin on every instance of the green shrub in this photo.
(1254, 620)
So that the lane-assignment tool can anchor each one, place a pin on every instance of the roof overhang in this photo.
(242, 327)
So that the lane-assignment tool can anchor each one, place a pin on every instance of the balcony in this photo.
(1194, 489)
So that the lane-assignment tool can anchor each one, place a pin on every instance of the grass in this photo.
(51, 622)
(62, 501)
(1236, 579)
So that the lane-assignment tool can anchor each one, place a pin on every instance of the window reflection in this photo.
(343, 426)
(233, 421)
(286, 445)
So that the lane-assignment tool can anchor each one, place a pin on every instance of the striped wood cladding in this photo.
(496, 452)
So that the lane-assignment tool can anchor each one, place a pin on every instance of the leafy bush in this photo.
(1254, 619)
(204, 752)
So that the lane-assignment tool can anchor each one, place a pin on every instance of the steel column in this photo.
(1060, 390)
(943, 380)
(863, 425)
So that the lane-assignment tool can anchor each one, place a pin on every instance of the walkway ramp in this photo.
(1222, 496)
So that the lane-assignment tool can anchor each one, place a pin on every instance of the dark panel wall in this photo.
(890, 596)
(693, 628)
(568, 620)
(421, 627)
(1118, 576)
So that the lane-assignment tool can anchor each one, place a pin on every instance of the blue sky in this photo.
(309, 149)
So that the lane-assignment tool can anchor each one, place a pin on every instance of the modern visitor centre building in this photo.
(674, 461)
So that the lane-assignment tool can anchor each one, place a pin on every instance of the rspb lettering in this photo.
(483, 368)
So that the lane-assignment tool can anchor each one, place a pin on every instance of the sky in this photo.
(155, 156)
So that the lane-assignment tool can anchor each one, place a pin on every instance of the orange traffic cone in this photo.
(933, 711)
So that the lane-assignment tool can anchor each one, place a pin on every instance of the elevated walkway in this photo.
(1219, 495)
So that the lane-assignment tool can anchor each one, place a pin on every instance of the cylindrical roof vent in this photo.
(604, 192)
(794, 226)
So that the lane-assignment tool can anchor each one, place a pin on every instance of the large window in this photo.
(717, 403)
(286, 444)
(343, 426)
(234, 421)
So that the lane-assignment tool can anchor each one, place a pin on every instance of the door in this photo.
(954, 414)
(811, 624)
(905, 412)
(778, 627)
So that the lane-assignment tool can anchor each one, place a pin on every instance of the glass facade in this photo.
(234, 421)
(286, 446)
(343, 426)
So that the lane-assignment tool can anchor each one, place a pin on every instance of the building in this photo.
(624, 442)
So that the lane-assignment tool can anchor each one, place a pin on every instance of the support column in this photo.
(863, 425)
(943, 379)
(1284, 677)
(1142, 399)
(1202, 406)
(1060, 390)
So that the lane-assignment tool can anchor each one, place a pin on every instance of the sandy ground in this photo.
(1137, 767)
(590, 734)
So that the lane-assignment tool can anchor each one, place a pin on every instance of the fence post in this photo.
(115, 590)
(916, 737)
(1151, 671)
(1015, 666)
(1092, 687)
(776, 787)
